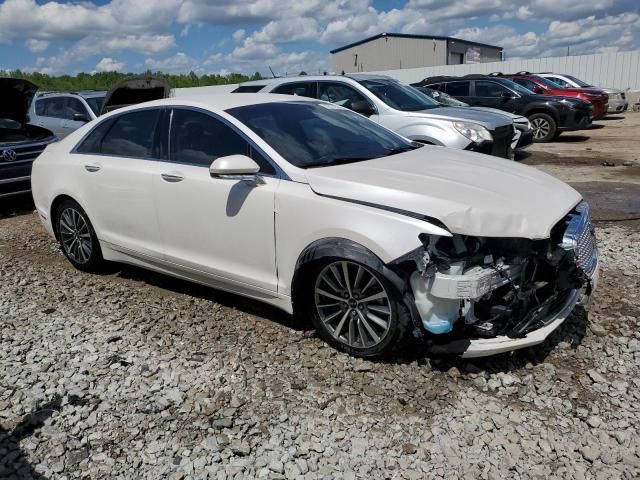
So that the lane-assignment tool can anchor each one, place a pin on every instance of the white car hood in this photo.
(470, 193)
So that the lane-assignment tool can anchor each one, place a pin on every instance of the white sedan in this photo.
(319, 211)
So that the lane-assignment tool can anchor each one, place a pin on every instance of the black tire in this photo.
(78, 239)
(399, 319)
(544, 127)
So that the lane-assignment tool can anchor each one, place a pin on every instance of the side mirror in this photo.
(235, 167)
(508, 95)
(80, 117)
(363, 108)
(537, 89)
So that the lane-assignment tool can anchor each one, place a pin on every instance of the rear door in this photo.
(118, 161)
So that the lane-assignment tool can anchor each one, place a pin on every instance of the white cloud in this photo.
(178, 63)
(35, 45)
(238, 35)
(108, 64)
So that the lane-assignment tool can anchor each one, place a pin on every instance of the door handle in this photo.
(92, 168)
(171, 177)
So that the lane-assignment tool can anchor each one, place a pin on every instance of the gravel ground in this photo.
(135, 375)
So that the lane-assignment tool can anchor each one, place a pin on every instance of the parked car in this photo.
(523, 134)
(401, 109)
(549, 115)
(319, 211)
(65, 112)
(544, 86)
(20, 142)
(617, 98)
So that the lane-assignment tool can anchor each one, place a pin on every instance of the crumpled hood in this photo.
(488, 120)
(470, 193)
(16, 95)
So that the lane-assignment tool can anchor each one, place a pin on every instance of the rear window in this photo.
(248, 89)
(301, 89)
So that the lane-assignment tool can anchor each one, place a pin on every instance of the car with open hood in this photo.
(317, 210)
(402, 109)
(20, 142)
(135, 89)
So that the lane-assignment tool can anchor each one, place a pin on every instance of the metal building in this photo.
(390, 51)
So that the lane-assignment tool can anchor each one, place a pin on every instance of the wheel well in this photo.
(54, 210)
(542, 110)
(335, 248)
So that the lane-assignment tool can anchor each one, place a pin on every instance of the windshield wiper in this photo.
(395, 151)
(339, 161)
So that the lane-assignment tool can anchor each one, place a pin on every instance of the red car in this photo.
(538, 84)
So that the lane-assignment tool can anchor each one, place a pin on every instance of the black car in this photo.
(20, 143)
(549, 116)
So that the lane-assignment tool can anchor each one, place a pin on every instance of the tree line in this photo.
(105, 80)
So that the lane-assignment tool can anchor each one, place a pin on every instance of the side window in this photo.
(131, 134)
(55, 107)
(489, 89)
(40, 107)
(302, 89)
(457, 89)
(248, 89)
(198, 138)
(92, 143)
(340, 94)
(75, 106)
(435, 86)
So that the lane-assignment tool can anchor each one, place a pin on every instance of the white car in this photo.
(317, 210)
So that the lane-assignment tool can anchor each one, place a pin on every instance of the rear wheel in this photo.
(356, 310)
(77, 237)
(544, 127)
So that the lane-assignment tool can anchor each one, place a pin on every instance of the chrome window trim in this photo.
(279, 172)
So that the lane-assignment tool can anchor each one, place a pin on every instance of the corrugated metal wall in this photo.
(615, 70)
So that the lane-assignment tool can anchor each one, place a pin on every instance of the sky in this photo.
(247, 36)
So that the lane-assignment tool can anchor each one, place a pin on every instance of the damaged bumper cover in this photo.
(480, 296)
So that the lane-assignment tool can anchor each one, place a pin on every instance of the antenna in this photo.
(274, 75)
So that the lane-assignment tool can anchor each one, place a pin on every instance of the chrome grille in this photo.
(579, 237)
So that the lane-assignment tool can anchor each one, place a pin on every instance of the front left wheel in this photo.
(355, 309)
(77, 237)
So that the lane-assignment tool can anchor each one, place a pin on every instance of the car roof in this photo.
(84, 94)
(218, 101)
(316, 78)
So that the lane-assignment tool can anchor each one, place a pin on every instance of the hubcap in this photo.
(75, 236)
(541, 128)
(352, 304)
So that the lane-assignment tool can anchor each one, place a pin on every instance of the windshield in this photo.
(399, 96)
(442, 98)
(314, 134)
(517, 87)
(95, 103)
(548, 83)
(578, 82)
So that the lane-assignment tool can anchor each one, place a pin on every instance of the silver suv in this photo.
(64, 112)
(401, 108)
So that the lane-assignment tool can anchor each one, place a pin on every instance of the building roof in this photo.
(405, 35)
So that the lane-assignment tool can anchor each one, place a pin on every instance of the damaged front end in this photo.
(482, 296)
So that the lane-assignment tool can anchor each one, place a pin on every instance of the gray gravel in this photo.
(134, 375)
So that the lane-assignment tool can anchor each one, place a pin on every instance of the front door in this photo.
(221, 229)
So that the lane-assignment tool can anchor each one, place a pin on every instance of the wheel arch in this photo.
(335, 247)
(546, 111)
(55, 204)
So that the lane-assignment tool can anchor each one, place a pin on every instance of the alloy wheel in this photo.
(352, 304)
(75, 235)
(540, 127)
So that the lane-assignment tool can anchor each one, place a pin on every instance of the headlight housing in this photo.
(474, 132)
